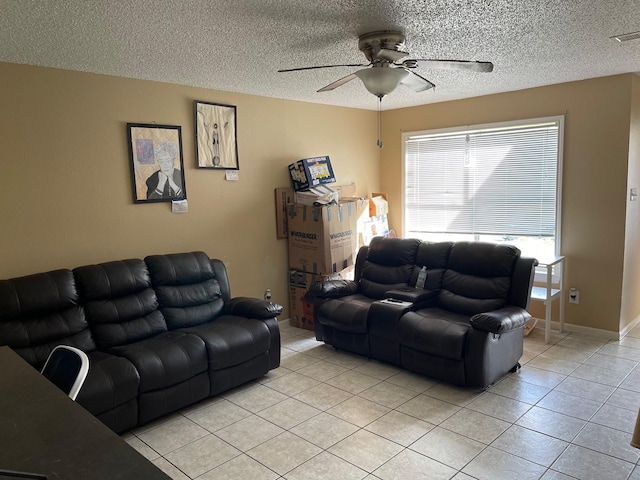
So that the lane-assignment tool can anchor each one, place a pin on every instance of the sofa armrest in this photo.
(333, 288)
(500, 321)
(252, 308)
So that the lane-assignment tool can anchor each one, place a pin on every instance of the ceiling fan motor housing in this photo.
(371, 44)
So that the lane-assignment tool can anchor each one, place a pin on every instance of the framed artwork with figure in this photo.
(157, 167)
(216, 131)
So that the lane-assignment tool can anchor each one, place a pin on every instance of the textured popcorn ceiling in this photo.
(239, 45)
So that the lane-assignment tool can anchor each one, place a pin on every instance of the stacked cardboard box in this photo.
(322, 245)
(373, 222)
(323, 239)
(321, 195)
(311, 172)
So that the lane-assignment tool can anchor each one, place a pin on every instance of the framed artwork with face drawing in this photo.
(216, 131)
(157, 168)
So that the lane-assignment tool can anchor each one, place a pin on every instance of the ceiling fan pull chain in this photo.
(379, 143)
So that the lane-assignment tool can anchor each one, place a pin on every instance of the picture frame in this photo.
(157, 165)
(216, 136)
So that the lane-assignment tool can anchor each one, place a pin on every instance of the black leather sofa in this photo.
(161, 333)
(466, 326)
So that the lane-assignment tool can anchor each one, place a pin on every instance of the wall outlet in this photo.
(574, 296)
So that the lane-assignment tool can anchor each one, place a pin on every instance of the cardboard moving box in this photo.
(345, 191)
(284, 196)
(321, 195)
(378, 205)
(300, 310)
(311, 172)
(322, 239)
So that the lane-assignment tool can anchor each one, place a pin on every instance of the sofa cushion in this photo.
(388, 265)
(187, 289)
(376, 280)
(434, 256)
(232, 340)
(41, 311)
(467, 305)
(166, 359)
(179, 268)
(346, 314)
(393, 251)
(120, 305)
(483, 259)
(434, 331)
(478, 277)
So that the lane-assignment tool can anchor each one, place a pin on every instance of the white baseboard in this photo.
(630, 327)
(594, 332)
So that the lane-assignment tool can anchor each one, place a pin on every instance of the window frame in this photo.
(559, 119)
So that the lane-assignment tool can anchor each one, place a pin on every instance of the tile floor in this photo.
(568, 413)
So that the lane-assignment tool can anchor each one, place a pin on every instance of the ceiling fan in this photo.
(385, 70)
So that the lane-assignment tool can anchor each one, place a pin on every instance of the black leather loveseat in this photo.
(465, 326)
(161, 333)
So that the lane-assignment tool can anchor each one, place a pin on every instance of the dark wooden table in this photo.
(43, 431)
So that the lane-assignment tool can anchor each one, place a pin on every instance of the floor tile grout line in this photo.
(589, 421)
(395, 409)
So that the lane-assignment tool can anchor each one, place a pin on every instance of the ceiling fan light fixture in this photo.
(381, 81)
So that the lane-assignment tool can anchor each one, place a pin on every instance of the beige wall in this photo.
(631, 276)
(596, 151)
(66, 198)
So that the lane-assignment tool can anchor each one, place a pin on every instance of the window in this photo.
(498, 183)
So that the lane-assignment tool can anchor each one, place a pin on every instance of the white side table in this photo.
(551, 291)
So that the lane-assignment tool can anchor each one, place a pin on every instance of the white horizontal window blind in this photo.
(498, 180)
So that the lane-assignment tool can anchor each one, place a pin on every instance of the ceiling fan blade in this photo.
(417, 82)
(324, 66)
(391, 55)
(473, 66)
(338, 83)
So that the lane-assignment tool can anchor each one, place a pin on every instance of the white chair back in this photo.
(67, 368)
